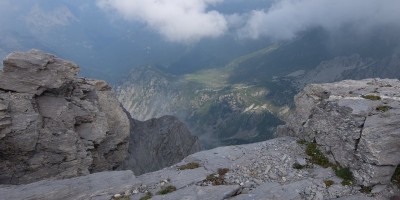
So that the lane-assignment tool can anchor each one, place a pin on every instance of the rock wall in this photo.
(55, 125)
(356, 124)
(159, 143)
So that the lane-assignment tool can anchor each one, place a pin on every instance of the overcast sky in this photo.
(191, 20)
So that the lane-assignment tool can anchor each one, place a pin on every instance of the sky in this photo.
(189, 21)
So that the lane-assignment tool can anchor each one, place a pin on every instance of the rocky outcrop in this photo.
(159, 143)
(255, 171)
(55, 125)
(355, 123)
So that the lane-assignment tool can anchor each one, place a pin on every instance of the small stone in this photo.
(378, 188)
(117, 195)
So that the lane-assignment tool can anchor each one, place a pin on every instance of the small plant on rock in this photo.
(328, 183)
(166, 190)
(383, 108)
(345, 174)
(371, 97)
(192, 165)
(317, 157)
(147, 196)
(296, 165)
(302, 141)
(366, 189)
(217, 178)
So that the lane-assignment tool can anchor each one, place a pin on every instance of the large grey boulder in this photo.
(34, 72)
(55, 125)
(356, 124)
(158, 143)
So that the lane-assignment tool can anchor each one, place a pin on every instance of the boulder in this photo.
(356, 124)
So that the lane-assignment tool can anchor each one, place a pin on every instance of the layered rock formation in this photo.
(54, 125)
(355, 123)
(159, 143)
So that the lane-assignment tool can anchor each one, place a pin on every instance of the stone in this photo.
(35, 71)
(55, 125)
(101, 185)
(355, 123)
(197, 192)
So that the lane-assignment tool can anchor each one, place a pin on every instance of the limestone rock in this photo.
(159, 143)
(35, 71)
(55, 125)
(101, 185)
(356, 123)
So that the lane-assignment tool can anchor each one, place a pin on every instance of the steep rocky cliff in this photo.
(54, 125)
(355, 123)
(159, 143)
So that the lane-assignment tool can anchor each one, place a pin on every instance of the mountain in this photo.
(245, 99)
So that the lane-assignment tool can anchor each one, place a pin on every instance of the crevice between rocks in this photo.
(357, 141)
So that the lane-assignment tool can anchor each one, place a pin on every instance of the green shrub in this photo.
(372, 97)
(383, 108)
(147, 196)
(317, 157)
(166, 190)
(192, 165)
(328, 183)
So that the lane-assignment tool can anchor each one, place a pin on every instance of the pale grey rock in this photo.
(159, 143)
(35, 71)
(349, 128)
(54, 125)
(97, 186)
(198, 192)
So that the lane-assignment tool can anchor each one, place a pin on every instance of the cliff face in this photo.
(355, 123)
(159, 143)
(54, 125)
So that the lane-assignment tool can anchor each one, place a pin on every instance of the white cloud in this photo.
(286, 18)
(183, 21)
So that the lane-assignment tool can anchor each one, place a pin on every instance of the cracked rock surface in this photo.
(355, 123)
(257, 171)
(55, 125)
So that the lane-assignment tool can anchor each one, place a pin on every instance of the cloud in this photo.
(286, 18)
(182, 21)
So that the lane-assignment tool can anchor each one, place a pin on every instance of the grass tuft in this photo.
(192, 165)
(383, 108)
(371, 97)
(147, 196)
(217, 178)
(166, 190)
(296, 165)
(302, 141)
(328, 183)
(366, 189)
(317, 157)
(345, 174)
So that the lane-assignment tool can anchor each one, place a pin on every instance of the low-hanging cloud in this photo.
(286, 18)
(183, 21)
